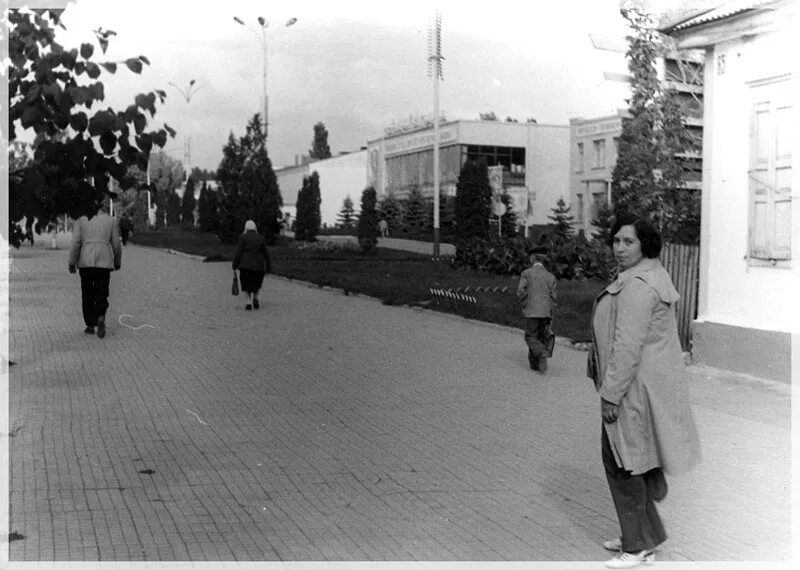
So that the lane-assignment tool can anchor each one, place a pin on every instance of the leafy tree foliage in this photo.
(648, 177)
(319, 146)
(368, 220)
(308, 219)
(488, 116)
(473, 204)
(347, 215)
(560, 228)
(207, 217)
(248, 186)
(166, 175)
(53, 89)
(188, 204)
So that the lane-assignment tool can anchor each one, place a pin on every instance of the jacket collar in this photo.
(648, 271)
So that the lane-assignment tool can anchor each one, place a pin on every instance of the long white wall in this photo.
(733, 291)
(339, 177)
(547, 175)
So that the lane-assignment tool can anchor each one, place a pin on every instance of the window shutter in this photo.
(782, 189)
(759, 182)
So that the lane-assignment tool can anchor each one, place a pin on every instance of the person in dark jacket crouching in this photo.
(252, 260)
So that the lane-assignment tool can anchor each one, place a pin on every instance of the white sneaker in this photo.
(614, 545)
(631, 560)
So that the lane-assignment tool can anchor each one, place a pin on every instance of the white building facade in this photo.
(750, 237)
(534, 160)
(339, 176)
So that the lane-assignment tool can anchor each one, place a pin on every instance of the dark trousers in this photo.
(124, 234)
(94, 293)
(536, 339)
(634, 499)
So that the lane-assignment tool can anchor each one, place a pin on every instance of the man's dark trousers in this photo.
(94, 293)
(536, 337)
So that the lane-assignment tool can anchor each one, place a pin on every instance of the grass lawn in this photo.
(399, 278)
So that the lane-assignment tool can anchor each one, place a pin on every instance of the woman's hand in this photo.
(609, 411)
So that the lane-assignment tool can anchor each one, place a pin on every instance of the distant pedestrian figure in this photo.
(252, 260)
(383, 226)
(537, 291)
(636, 363)
(125, 226)
(95, 252)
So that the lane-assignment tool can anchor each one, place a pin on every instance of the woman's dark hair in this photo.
(645, 231)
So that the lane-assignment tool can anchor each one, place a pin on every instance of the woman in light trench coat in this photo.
(637, 366)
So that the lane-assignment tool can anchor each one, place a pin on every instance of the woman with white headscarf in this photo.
(252, 260)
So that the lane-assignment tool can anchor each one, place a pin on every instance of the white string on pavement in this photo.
(198, 417)
(131, 327)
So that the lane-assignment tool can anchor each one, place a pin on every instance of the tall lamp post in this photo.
(187, 93)
(435, 70)
(263, 24)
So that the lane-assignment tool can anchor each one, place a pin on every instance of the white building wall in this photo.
(547, 172)
(734, 291)
(290, 181)
(339, 177)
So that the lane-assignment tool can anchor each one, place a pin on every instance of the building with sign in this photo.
(339, 176)
(593, 146)
(531, 162)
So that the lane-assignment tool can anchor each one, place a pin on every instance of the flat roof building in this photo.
(532, 158)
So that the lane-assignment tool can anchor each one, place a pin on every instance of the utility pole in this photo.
(435, 70)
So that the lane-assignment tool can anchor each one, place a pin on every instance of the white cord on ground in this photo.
(130, 327)
(198, 417)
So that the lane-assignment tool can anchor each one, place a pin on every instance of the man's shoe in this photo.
(248, 307)
(101, 327)
(255, 304)
(543, 364)
(614, 545)
(89, 330)
(632, 560)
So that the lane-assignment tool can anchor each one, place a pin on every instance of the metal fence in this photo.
(683, 264)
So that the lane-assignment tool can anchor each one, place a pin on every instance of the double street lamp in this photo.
(263, 24)
(187, 93)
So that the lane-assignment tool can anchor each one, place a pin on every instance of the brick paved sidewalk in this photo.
(326, 427)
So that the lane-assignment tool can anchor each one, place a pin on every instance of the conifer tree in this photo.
(414, 212)
(603, 223)
(319, 146)
(368, 220)
(473, 203)
(207, 209)
(173, 208)
(347, 216)
(308, 219)
(561, 227)
(188, 203)
(390, 210)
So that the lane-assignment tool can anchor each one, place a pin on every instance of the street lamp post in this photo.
(187, 93)
(263, 24)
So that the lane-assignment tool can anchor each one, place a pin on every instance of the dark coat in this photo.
(251, 253)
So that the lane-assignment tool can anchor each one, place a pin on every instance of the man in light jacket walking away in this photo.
(96, 251)
(537, 291)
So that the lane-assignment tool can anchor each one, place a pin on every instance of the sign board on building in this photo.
(419, 141)
(597, 128)
(496, 179)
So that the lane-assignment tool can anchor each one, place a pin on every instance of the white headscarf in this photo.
(250, 225)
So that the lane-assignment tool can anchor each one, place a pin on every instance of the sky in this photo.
(356, 66)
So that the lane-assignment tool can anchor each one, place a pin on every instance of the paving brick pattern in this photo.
(332, 428)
